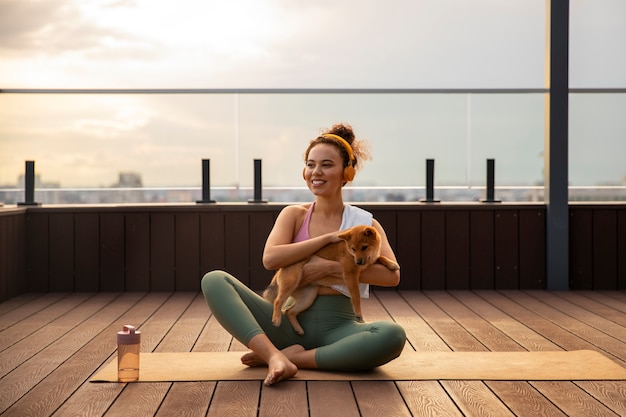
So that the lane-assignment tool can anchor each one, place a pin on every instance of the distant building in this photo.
(128, 180)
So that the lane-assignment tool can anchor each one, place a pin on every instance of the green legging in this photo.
(342, 343)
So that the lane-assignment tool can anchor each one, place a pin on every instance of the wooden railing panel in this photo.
(408, 249)
(482, 250)
(87, 251)
(12, 253)
(433, 250)
(236, 247)
(580, 249)
(506, 240)
(112, 250)
(261, 224)
(154, 248)
(37, 246)
(212, 238)
(137, 251)
(187, 253)
(605, 249)
(162, 252)
(532, 249)
(61, 253)
(457, 250)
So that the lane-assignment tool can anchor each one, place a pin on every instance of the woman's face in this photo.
(324, 169)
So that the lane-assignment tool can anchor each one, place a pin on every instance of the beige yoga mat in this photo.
(520, 366)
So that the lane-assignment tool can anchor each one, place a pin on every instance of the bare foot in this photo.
(280, 368)
(252, 359)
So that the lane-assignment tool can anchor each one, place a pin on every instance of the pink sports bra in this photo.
(303, 233)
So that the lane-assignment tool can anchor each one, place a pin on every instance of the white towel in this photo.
(354, 216)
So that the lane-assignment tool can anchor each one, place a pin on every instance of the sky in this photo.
(85, 140)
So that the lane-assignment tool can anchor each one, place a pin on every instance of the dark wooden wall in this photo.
(12, 252)
(169, 248)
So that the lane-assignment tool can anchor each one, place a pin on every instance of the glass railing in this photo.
(144, 146)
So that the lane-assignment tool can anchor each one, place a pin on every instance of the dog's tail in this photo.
(271, 292)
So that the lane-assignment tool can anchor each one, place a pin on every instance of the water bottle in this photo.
(128, 346)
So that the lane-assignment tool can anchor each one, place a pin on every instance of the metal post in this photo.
(430, 182)
(29, 185)
(491, 173)
(556, 146)
(206, 183)
(258, 187)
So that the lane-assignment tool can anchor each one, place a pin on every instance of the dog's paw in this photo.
(360, 319)
(392, 266)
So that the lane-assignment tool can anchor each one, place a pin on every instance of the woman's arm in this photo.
(378, 274)
(280, 251)
(319, 268)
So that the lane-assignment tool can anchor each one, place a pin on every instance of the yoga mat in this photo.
(510, 366)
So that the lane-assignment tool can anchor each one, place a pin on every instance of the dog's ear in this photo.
(345, 235)
(369, 232)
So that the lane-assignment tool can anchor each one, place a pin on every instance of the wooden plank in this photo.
(532, 249)
(211, 241)
(37, 247)
(521, 307)
(427, 398)
(379, 398)
(187, 254)
(20, 343)
(580, 249)
(235, 399)
(525, 337)
(87, 250)
(610, 393)
(139, 400)
(137, 251)
(331, 398)
(482, 251)
(187, 399)
(289, 398)
(605, 250)
(408, 249)
(523, 400)
(420, 335)
(68, 388)
(457, 250)
(112, 261)
(22, 306)
(433, 250)
(454, 335)
(474, 399)
(506, 235)
(59, 342)
(487, 334)
(570, 399)
(602, 333)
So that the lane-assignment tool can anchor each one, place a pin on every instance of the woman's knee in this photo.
(211, 281)
(394, 336)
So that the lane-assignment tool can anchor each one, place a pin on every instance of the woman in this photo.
(333, 338)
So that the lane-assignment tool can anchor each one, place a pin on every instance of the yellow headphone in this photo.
(348, 172)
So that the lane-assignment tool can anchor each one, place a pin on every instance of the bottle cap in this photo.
(128, 336)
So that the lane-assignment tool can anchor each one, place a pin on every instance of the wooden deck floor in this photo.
(50, 345)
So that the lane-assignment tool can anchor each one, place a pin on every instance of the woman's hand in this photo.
(319, 268)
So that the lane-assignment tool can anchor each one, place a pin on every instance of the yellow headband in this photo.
(343, 143)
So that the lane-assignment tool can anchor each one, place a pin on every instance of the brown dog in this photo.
(359, 247)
